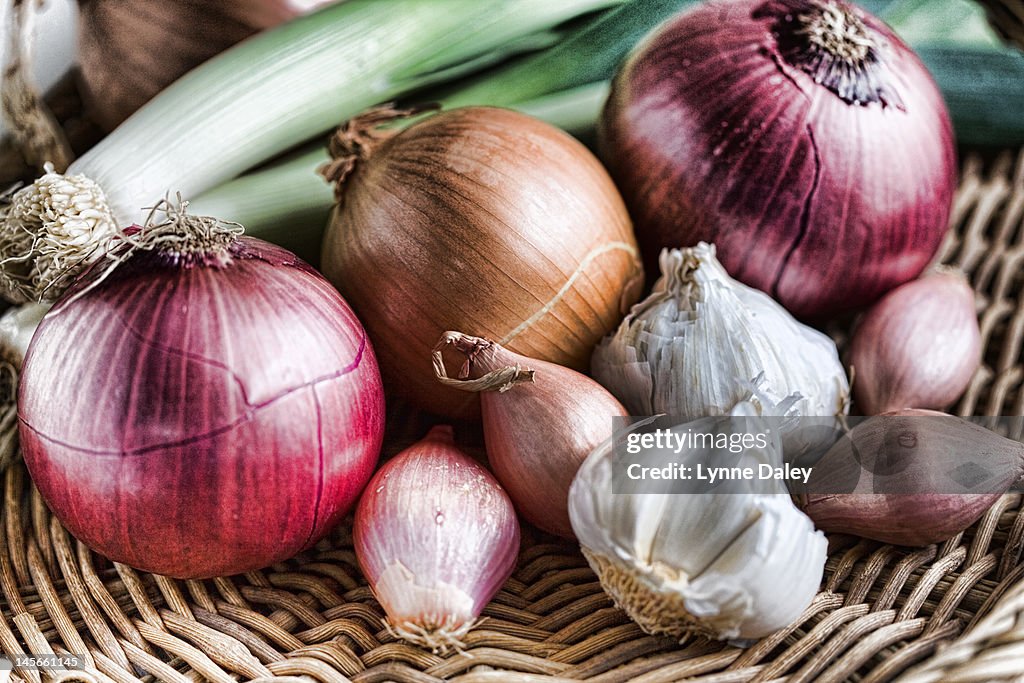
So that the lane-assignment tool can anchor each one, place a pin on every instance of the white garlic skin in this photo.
(738, 565)
(17, 327)
(696, 345)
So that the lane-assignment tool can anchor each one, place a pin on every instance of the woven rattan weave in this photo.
(953, 612)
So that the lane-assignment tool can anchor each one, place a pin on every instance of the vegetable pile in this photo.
(196, 402)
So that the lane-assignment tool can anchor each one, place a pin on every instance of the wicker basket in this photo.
(953, 612)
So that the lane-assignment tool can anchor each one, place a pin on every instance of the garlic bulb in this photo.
(701, 341)
(729, 565)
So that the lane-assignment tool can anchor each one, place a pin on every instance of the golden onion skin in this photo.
(487, 221)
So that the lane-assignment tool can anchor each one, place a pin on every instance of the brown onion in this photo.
(541, 421)
(917, 347)
(480, 219)
(915, 477)
(129, 50)
(802, 137)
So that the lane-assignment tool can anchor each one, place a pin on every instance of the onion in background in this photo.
(129, 50)
(49, 53)
(802, 137)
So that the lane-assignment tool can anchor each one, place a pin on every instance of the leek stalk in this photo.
(564, 85)
(276, 90)
(592, 54)
(249, 104)
(288, 203)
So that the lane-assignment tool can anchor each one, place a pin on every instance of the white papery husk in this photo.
(734, 565)
(696, 345)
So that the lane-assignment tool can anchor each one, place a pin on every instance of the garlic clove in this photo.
(747, 574)
(736, 595)
(919, 346)
(671, 540)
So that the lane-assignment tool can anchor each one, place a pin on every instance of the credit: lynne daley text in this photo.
(721, 446)
(714, 474)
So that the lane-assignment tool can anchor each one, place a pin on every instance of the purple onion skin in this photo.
(712, 135)
(202, 421)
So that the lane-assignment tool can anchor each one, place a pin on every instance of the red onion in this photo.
(212, 406)
(436, 538)
(541, 421)
(802, 137)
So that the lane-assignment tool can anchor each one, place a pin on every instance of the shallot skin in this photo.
(167, 430)
(712, 135)
(537, 468)
(902, 495)
(541, 420)
(436, 537)
(919, 346)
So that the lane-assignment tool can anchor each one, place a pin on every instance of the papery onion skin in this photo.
(711, 134)
(436, 537)
(911, 505)
(202, 421)
(129, 50)
(539, 431)
(485, 220)
(919, 346)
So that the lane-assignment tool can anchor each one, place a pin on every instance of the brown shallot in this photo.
(540, 422)
(479, 219)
